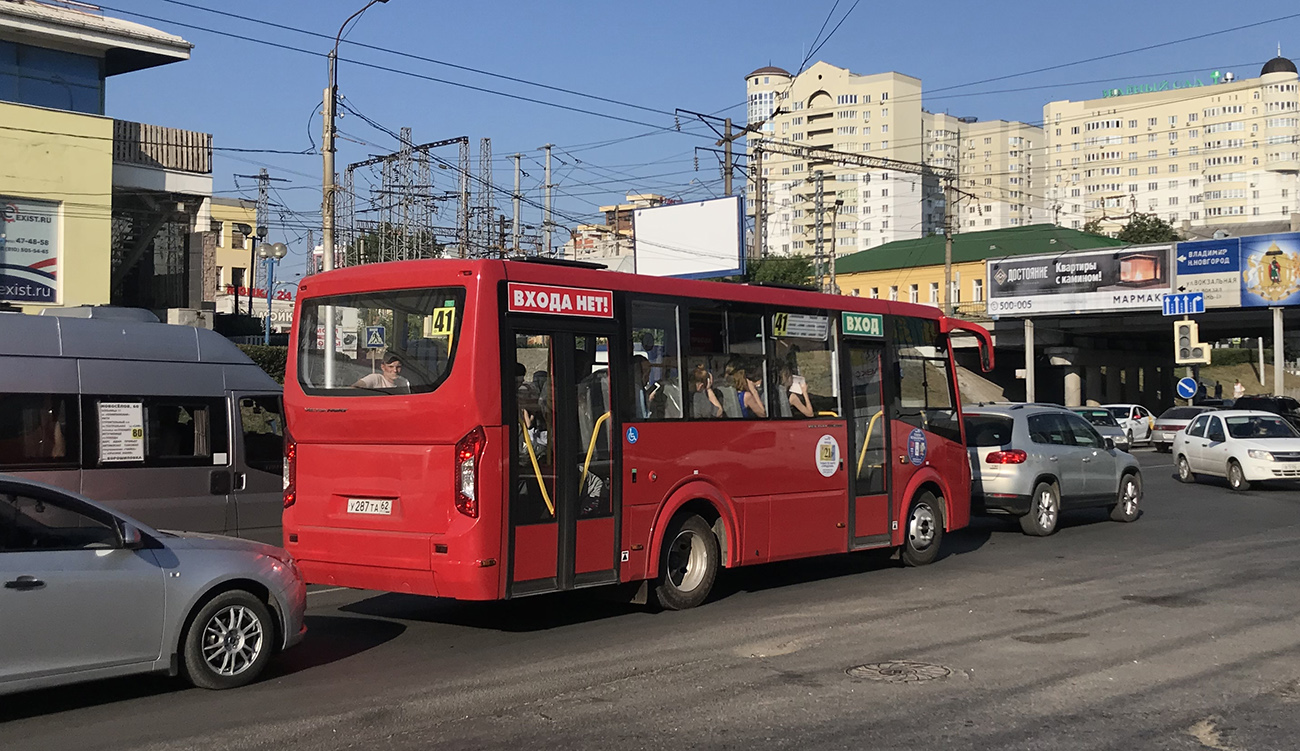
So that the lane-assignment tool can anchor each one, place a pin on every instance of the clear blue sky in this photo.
(664, 55)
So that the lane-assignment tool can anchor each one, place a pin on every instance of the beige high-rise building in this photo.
(1211, 151)
(880, 115)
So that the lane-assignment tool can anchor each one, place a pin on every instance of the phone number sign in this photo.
(29, 251)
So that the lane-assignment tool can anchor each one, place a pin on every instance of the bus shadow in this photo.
(513, 616)
(329, 639)
(332, 638)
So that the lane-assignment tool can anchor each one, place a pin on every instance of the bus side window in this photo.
(262, 423)
(803, 366)
(923, 392)
(707, 365)
(38, 431)
(656, 353)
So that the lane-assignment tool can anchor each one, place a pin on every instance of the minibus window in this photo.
(38, 431)
(389, 342)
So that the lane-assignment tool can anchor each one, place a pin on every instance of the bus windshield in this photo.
(389, 342)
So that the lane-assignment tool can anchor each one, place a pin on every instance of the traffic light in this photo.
(1188, 349)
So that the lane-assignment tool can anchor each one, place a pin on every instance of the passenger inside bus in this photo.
(794, 393)
(748, 379)
(704, 400)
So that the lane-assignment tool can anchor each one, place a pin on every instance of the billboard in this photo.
(29, 251)
(1241, 272)
(1270, 270)
(694, 240)
(1094, 281)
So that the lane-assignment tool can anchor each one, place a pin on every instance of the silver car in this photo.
(1033, 461)
(89, 593)
(1104, 422)
(1170, 423)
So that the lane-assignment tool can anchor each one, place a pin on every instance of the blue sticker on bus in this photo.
(916, 448)
(632, 434)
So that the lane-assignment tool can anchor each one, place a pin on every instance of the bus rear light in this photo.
(469, 453)
(1014, 456)
(290, 471)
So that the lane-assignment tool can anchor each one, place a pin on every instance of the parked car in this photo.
(1136, 420)
(1105, 424)
(89, 593)
(1285, 406)
(1033, 461)
(1171, 422)
(1245, 446)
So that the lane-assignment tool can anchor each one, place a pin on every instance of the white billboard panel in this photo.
(1095, 281)
(694, 240)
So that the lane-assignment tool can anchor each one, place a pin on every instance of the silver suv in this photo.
(1034, 460)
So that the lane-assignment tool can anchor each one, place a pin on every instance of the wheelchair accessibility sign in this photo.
(374, 337)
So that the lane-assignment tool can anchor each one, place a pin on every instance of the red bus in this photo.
(490, 429)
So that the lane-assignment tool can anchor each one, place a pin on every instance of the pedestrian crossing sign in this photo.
(374, 337)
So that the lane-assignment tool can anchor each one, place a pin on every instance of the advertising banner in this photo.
(29, 251)
(1270, 270)
(1211, 267)
(1097, 281)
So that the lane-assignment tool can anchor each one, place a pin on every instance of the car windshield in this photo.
(988, 430)
(1120, 413)
(1259, 427)
(1098, 417)
(1180, 413)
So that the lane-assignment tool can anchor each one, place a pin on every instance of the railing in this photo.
(971, 311)
(162, 148)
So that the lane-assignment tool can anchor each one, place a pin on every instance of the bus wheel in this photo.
(688, 564)
(924, 530)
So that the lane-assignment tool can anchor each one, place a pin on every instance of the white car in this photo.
(1136, 421)
(1244, 446)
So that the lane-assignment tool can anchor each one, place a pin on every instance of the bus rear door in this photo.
(562, 528)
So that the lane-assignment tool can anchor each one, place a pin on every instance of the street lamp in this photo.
(270, 254)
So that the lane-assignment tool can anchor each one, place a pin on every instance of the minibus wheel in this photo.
(924, 530)
(688, 563)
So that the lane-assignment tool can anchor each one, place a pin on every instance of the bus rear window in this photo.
(390, 342)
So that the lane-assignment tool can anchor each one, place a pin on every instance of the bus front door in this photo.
(562, 503)
(870, 443)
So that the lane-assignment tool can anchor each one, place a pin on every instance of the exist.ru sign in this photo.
(1166, 85)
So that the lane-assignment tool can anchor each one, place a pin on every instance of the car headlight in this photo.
(1261, 455)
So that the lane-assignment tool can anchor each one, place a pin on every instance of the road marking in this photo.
(1155, 466)
(323, 591)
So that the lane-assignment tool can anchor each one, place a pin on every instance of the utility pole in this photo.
(835, 215)
(263, 214)
(546, 220)
(515, 230)
(726, 174)
(820, 208)
(501, 237)
(760, 248)
(947, 246)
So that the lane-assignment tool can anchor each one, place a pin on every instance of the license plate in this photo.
(370, 506)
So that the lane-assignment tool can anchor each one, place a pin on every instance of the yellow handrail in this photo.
(537, 469)
(591, 447)
(867, 441)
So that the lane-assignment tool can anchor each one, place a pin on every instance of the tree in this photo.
(794, 270)
(1147, 228)
(1093, 227)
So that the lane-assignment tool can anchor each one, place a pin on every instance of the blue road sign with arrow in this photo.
(1184, 303)
(1187, 388)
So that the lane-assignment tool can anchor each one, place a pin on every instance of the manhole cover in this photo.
(899, 671)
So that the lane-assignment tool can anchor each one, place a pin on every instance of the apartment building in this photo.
(878, 115)
(1210, 150)
(881, 115)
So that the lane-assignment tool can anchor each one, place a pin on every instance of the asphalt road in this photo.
(1175, 632)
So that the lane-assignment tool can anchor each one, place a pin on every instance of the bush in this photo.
(270, 359)
(1238, 356)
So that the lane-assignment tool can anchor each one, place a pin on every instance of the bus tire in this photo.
(924, 531)
(688, 563)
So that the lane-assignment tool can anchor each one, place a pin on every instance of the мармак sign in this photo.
(1117, 279)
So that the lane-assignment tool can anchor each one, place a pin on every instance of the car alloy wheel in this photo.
(232, 640)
